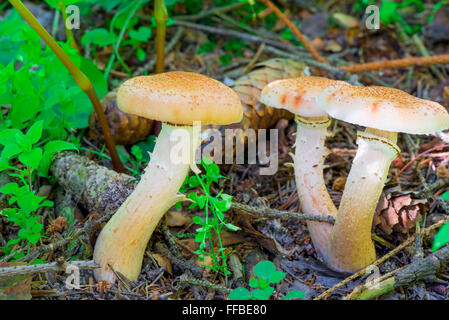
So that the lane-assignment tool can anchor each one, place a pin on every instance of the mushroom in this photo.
(298, 95)
(178, 99)
(384, 112)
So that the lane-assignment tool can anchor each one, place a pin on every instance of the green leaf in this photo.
(206, 47)
(445, 196)
(441, 238)
(10, 188)
(143, 34)
(253, 283)
(294, 294)
(49, 149)
(388, 12)
(35, 132)
(140, 54)
(10, 150)
(99, 36)
(225, 59)
(232, 227)
(197, 220)
(136, 152)
(239, 294)
(264, 269)
(262, 294)
(276, 276)
(8, 136)
(31, 158)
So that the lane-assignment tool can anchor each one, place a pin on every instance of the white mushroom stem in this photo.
(309, 159)
(122, 242)
(350, 247)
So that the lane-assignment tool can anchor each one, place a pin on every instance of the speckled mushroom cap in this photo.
(298, 95)
(384, 108)
(180, 98)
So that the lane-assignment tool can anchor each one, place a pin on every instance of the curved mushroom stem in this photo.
(122, 242)
(350, 247)
(313, 195)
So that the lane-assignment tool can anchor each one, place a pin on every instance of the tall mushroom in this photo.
(384, 112)
(178, 99)
(298, 95)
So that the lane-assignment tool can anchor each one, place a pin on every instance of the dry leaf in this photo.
(345, 21)
(163, 262)
(442, 172)
(339, 184)
(57, 225)
(176, 219)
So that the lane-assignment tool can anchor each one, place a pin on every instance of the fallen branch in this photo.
(187, 280)
(280, 214)
(46, 267)
(381, 260)
(420, 269)
(398, 63)
(88, 227)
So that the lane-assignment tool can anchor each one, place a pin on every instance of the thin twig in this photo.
(278, 214)
(398, 63)
(185, 279)
(46, 267)
(88, 227)
(294, 30)
(206, 13)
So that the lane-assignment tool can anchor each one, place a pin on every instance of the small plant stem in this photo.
(160, 15)
(68, 31)
(80, 78)
(29, 179)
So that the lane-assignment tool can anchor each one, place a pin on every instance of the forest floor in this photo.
(229, 45)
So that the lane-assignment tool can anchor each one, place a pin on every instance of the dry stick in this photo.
(399, 63)
(405, 167)
(279, 214)
(254, 59)
(357, 291)
(423, 50)
(210, 12)
(420, 269)
(236, 34)
(379, 261)
(295, 30)
(88, 227)
(46, 267)
(185, 279)
(80, 78)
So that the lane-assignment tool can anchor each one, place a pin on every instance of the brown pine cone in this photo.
(249, 87)
(126, 129)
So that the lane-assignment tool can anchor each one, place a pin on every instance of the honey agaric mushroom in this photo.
(178, 99)
(298, 95)
(384, 112)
